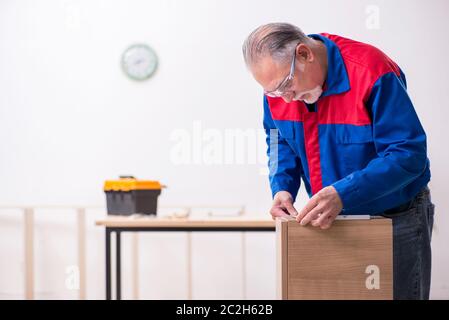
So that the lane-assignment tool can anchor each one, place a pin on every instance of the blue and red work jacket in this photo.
(362, 136)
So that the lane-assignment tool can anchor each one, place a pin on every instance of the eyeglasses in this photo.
(285, 84)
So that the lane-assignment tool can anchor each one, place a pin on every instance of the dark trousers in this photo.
(412, 254)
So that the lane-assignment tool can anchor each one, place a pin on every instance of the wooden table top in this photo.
(245, 221)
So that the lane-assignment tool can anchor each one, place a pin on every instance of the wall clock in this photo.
(139, 62)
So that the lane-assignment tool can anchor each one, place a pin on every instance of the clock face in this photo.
(139, 61)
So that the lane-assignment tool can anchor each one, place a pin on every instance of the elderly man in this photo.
(337, 115)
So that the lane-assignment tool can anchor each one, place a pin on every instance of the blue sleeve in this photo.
(284, 165)
(400, 143)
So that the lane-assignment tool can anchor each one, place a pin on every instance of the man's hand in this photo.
(283, 205)
(322, 208)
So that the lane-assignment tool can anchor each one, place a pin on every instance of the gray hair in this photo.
(276, 40)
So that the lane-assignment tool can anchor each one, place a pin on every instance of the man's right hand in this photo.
(283, 205)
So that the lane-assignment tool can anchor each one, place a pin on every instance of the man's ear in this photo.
(304, 53)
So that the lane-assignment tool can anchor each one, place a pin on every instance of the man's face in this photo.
(305, 85)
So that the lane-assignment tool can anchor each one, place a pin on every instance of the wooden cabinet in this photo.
(351, 260)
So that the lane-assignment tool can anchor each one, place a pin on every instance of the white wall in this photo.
(69, 119)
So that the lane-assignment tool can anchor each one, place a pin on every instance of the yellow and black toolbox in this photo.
(129, 195)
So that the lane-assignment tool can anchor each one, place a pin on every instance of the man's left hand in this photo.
(322, 208)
